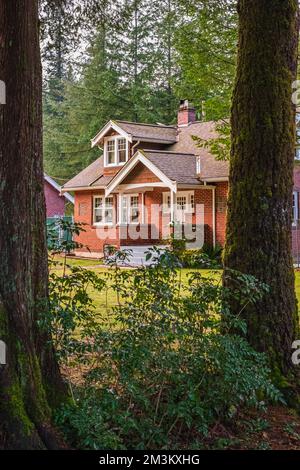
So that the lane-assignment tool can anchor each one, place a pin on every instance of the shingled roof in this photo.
(180, 167)
(210, 167)
(152, 132)
(88, 176)
(177, 161)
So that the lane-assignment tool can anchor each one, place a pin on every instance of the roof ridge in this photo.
(169, 126)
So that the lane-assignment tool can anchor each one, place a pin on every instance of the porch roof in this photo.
(179, 167)
(171, 168)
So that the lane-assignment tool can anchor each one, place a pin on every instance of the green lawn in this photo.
(104, 300)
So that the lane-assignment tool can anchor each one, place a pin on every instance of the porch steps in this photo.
(138, 254)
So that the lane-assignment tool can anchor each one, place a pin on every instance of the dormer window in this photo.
(111, 152)
(115, 151)
(122, 150)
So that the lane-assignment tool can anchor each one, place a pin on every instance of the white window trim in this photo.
(187, 194)
(102, 224)
(295, 207)
(116, 162)
(128, 197)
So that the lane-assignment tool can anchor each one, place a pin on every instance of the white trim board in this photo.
(139, 157)
(58, 188)
(110, 125)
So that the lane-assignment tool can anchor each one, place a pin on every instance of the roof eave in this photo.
(214, 179)
(81, 188)
(109, 125)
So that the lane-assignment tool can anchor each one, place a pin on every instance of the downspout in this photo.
(133, 147)
(214, 215)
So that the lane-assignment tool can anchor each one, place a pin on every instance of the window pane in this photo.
(134, 209)
(294, 209)
(124, 210)
(98, 202)
(181, 203)
(135, 213)
(109, 201)
(108, 213)
(134, 201)
(111, 152)
(98, 215)
(122, 144)
(109, 216)
(166, 203)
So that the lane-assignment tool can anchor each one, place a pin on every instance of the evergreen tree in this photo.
(258, 240)
(30, 383)
(206, 45)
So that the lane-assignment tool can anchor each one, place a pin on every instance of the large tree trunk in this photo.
(30, 383)
(261, 174)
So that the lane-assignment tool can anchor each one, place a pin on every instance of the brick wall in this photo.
(221, 211)
(55, 204)
(96, 238)
(90, 238)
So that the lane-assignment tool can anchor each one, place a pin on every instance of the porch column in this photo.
(172, 207)
(143, 207)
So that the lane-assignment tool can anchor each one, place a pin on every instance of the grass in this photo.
(106, 299)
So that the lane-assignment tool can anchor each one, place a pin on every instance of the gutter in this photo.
(215, 180)
(81, 188)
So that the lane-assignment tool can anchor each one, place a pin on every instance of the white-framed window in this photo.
(103, 210)
(115, 151)
(110, 152)
(295, 207)
(129, 209)
(297, 153)
(185, 202)
(122, 150)
(166, 208)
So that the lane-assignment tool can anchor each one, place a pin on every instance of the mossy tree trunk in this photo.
(259, 223)
(30, 382)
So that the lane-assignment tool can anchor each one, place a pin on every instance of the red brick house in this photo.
(151, 180)
(55, 200)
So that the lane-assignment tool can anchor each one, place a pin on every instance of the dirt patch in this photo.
(276, 429)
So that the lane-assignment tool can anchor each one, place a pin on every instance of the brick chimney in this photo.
(186, 113)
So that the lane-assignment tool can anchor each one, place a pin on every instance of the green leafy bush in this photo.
(177, 363)
(207, 257)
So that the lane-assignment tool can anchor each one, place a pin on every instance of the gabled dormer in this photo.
(120, 140)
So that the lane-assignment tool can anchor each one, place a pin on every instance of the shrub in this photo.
(206, 257)
(177, 363)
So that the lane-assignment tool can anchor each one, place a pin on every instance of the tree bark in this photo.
(258, 239)
(30, 382)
